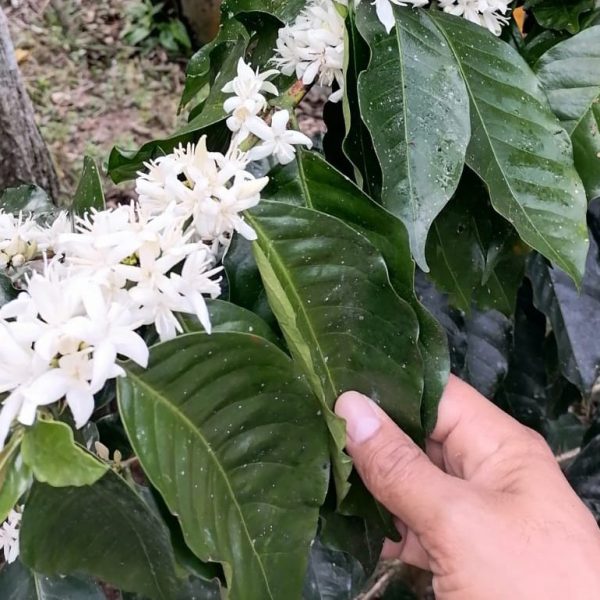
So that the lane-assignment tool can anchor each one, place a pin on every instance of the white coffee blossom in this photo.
(312, 47)
(277, 139)
(9, 536)
(99, 278)
(209, 188)
(487, 13)
(248, 99)
(17, 239)
(385, 11)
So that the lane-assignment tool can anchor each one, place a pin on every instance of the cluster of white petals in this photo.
(245, 106)
(487, 13)
(208, 189)
(90, 284)
(62, 336)
(490, 14)
(9, 536)
(248, 100)
(21, 238)
(312, 47)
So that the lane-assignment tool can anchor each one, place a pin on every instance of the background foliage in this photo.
(445, 229)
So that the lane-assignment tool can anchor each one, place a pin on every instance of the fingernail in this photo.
(362, 420)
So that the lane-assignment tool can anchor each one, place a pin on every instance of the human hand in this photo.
(486, 509)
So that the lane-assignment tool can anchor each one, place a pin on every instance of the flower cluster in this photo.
(89, 286)
(22, 239)
(62, 336)
(487, 13)
(9, 536)
(245, 107)
(312, 47)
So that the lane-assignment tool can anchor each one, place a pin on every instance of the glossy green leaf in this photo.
(339, 197)
(571, 312)
(474, 254)
(15, 476)
(560, 14)
(104, 530)
(518, 147)
(345, 326)
(48, 448)
(89, 194)
(523, 393)
(228, 317)
(358, 143)
(570, 75)
(124, 164)
(285, 10)
(478, 342)
(17, 582)
(231, 437)
(415, 103)
(26, 198)
(209, 59)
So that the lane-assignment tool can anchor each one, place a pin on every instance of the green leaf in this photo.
(523, 393)
(206, 61)
(518, 147)
(474, 254)
(570, 75)
(7, 291)
(358, 143)
(584, 476)
(332, 575)
(104, 530)
(89, 194)
(49, 449)
(19, 583)
(228, 317)
(245, 285)
(285, 10)
(570, 313)
(15, 476)
(478, 342)
(415, 103)
(124, 164)
(565, 433)
(231, 437)
(560, 14)
(345, 326)
(339, 197)
(26, 198)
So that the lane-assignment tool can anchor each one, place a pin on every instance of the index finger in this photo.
(471, 429)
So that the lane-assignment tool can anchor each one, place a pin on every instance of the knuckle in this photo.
(392, 463)
(533, 444)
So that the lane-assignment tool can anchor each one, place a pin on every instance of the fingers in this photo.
(471, 430)
(409, 550)
(393, 467)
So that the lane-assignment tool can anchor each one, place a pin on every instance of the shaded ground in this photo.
(90, 90)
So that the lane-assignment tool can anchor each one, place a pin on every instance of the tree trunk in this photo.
(24, 157)
(203, 17)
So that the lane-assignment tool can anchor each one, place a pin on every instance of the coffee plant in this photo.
(168, 368)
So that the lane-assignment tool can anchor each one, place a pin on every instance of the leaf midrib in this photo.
(413, 198)
(300, 304)
(557, 257)
(195, 431)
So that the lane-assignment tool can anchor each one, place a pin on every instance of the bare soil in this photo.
(91, 90)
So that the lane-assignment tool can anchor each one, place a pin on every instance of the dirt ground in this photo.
(91, 90)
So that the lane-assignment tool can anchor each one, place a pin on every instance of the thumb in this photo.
(396, 471)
